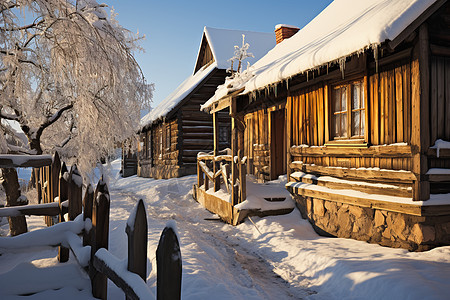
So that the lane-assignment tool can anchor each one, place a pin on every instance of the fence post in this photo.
(63, 253)
(88, 201)
(37, 179)
(168, 264)
(74, 193)
(99, 231)
(137, 232)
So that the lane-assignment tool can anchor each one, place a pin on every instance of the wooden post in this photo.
(88, 202)
(137, 232)
(216, 150)
(420, 98)
(56, 168)
(100, 231)
(234, 172)
(168, 264)
(37, 179)
(206, 182)
(63, 253)
(75, 193)
(199, 175)
(242, 178)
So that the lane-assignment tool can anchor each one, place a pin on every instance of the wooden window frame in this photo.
(349, 140)
(149, 145)
(168, 136)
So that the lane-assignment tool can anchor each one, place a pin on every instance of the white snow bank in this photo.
(344, 28)
(50, 236)
(258, 193)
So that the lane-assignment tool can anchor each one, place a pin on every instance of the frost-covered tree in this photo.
(68, 78)
(240, 53)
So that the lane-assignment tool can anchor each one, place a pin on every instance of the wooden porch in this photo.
(222, 175)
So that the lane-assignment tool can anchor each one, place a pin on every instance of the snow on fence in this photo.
(90, 218)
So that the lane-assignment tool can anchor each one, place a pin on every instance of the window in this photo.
(160, 142)
(224, 135)
(168, 137)
(348, 115)
(149, 144)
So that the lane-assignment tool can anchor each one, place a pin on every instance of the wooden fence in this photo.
(95, 207)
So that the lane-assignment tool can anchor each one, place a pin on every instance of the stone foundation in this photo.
(387, 228)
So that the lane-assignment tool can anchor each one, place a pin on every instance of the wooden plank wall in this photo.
(307, 113)
(390, 106)
(256, 141)
(440, 99)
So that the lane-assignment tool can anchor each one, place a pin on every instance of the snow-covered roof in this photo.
(177, 95)
(344, 28)
(221, 42)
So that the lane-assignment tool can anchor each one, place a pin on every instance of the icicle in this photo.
(307, 75)
(342, 65)
(287, 84)
(375, 56)
(327, 68)
(276, 90)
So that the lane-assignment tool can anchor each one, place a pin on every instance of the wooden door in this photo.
(277, 144)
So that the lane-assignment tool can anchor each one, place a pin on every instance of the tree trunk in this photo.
(10, 183)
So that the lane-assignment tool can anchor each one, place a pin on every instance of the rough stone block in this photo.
(319, 209)
(356, 211)
(379, 219)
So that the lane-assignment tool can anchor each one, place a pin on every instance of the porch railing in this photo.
(223, 168)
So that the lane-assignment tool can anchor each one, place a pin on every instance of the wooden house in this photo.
(176, 130)
(366, 120)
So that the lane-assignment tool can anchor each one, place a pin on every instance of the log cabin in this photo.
(364, 109)
(176, 130)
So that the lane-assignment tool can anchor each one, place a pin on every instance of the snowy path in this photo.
(213, 261)
(278, 257)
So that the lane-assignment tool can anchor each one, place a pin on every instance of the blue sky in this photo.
(173, 29)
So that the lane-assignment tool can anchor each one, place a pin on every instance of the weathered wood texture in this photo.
(168, 261)
(100, 230)
(88, 202)
(440, 99)
(63, 252)
(74, 193)
(137, 232)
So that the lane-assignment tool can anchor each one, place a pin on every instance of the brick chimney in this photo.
(283, 31)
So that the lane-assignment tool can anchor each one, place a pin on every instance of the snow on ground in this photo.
(280, 259)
